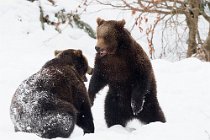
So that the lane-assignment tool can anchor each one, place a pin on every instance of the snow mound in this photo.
(183, 87)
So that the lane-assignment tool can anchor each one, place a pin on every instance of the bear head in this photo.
(109, 36)
(76, 59)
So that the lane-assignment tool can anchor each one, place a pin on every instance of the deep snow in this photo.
(183, 87)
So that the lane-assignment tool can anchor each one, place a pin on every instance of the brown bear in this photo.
(122, 64)
(50, 102)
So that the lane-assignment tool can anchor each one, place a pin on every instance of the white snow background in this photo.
(183, 87)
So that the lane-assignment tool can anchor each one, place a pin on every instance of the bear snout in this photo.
(97, 48)
(90, 70)
(101, 51)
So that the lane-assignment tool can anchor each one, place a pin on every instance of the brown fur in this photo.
(122, 64)
(50, 102)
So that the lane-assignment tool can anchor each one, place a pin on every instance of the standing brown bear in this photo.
(122, 64)
(50, 102)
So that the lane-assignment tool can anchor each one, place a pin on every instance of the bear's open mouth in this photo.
(102, 52)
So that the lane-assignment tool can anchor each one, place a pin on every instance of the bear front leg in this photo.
(85, 118)
(97, 82)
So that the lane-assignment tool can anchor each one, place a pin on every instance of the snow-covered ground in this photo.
(183, 87)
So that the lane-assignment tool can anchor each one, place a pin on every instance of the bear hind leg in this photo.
(57, 124)
(117, 111)
(151, 112)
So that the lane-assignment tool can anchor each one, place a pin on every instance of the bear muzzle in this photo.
(90, 70)
(102, 52)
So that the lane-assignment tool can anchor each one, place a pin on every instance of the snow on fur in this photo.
(29, 103)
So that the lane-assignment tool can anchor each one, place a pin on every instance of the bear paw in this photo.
(137, 107)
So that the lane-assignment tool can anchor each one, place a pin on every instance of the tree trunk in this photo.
(192, 36)
(192, 23)
(206, 46)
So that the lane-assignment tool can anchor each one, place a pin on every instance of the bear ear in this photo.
(78, 53)
(121, 23)
(99, 21)
(56, 52)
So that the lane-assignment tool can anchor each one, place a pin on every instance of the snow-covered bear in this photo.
(50, 102)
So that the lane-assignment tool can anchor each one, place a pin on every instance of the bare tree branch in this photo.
(167, 9)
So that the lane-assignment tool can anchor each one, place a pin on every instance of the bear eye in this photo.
(106, 37)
